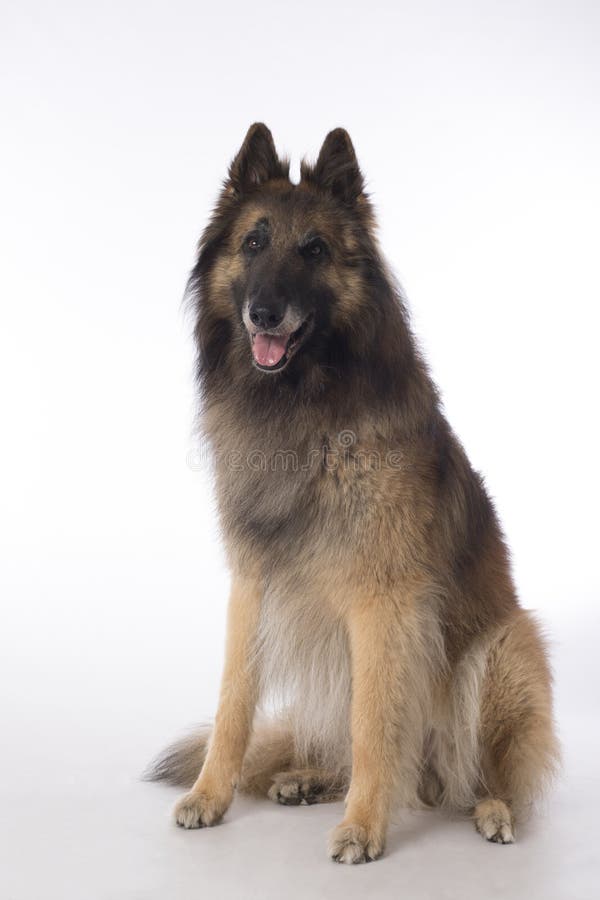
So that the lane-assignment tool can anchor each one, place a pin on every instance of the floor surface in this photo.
(78, 824)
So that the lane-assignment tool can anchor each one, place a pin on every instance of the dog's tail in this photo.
(180, 762)
(271, 750)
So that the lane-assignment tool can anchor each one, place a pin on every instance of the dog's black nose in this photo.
(266, 316)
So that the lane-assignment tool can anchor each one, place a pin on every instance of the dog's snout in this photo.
(266, 316)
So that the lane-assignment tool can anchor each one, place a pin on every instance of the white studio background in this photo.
(477, 126)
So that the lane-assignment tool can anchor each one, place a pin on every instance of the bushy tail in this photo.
(271, 750)
(180, 762)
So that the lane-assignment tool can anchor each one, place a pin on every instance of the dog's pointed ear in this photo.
(337, 170)
(256, 161)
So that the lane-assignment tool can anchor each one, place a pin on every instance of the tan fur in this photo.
(308, 786)
(212, 792)
(494, 821)
(520, 750)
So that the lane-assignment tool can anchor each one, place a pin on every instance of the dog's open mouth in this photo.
(272, 352)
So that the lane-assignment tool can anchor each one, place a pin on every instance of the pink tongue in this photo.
(268, 349)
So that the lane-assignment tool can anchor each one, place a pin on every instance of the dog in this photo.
(372, 608)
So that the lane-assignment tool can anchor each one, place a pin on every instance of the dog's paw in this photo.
(494, 821)
(353, 844)
(198, 810)
(305, 786)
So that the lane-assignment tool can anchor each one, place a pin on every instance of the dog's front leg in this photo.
(212, 793)
(383, 724)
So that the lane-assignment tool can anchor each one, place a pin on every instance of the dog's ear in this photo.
(337, 170)
(256, 161)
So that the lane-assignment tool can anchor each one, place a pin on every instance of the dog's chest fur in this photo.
(304, 664)
(308, 504)
(288, 490)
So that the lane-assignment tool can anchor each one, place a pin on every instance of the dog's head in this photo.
(286, 273)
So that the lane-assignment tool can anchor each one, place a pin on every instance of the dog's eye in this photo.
(253, 243)
(314, 249)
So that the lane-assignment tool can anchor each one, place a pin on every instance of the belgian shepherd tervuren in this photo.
(372, 617)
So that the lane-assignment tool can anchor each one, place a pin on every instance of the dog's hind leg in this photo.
(519, 748)
(271, 750)
(308, 786)
(273, 767)
(494, 821)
